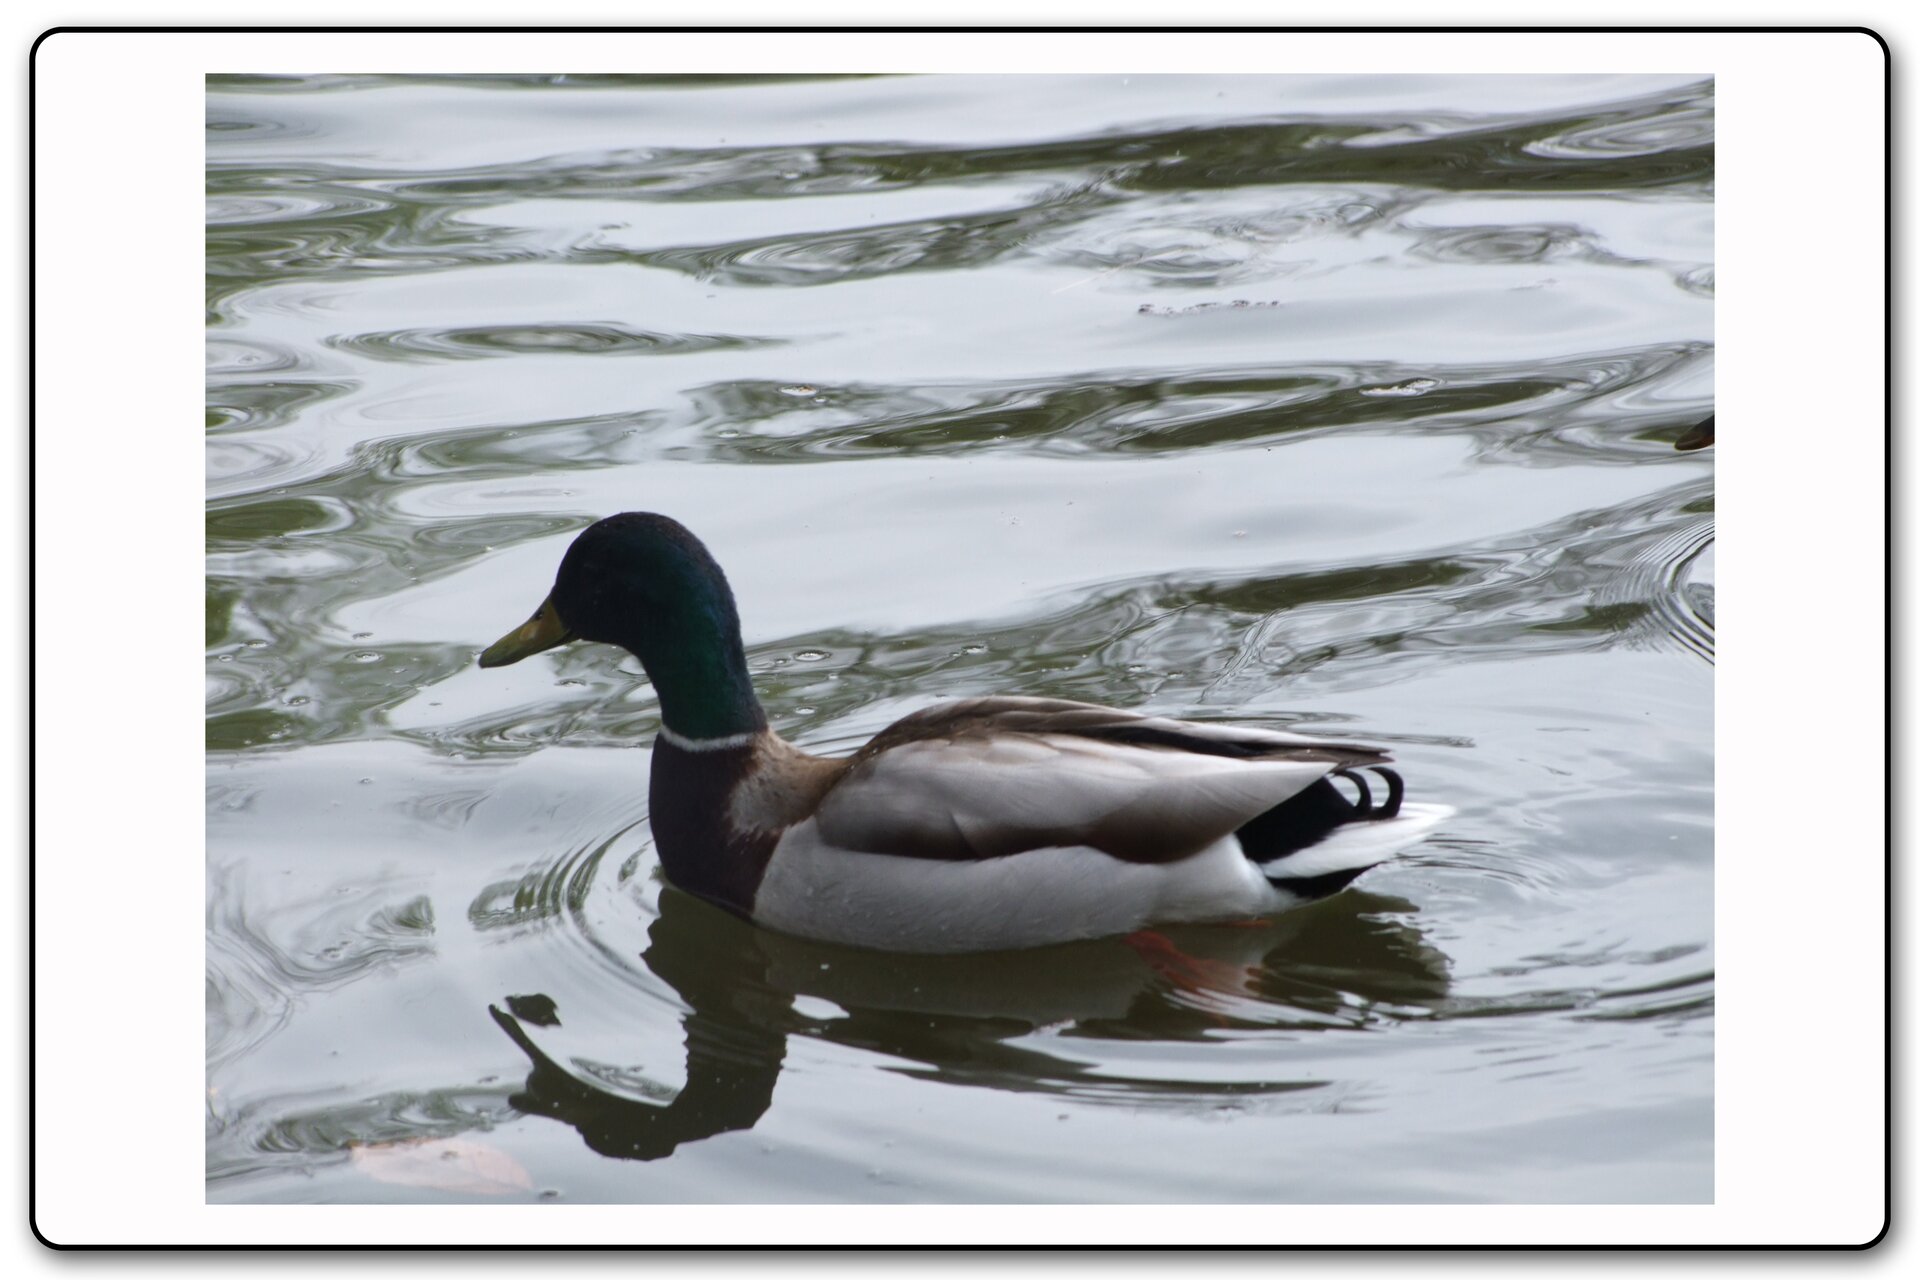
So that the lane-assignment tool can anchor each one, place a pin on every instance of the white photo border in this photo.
(1801, 894)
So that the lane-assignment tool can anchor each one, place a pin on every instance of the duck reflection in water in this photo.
(1349, 962)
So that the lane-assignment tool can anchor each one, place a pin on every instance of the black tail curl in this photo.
(1308, 817)
(1363, 808)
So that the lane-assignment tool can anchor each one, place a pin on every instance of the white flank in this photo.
(1022, 900)
(1043, 896)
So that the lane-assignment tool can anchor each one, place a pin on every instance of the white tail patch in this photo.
(1360, 844)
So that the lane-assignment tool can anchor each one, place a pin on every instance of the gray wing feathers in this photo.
(969, 793)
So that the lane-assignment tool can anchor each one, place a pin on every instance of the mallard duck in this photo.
(1697, 436)
(986, 824)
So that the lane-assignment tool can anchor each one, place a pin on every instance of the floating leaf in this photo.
(457, 1165)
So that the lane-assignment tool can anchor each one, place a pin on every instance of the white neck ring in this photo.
(730, 742)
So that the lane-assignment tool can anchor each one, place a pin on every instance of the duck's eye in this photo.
(540, 613)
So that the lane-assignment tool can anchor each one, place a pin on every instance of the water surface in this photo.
(1344, 404)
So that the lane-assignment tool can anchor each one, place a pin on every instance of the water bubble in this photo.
(226, 657)
(364, 655)
(728, 433)
(298, 700)
(975, 647)
(1411, 387)
(799, 390)
(811, 655)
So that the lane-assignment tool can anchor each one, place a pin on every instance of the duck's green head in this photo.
(641, 581)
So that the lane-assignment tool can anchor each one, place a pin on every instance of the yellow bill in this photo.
(542, 631)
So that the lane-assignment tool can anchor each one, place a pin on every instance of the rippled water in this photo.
(1344, 403)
